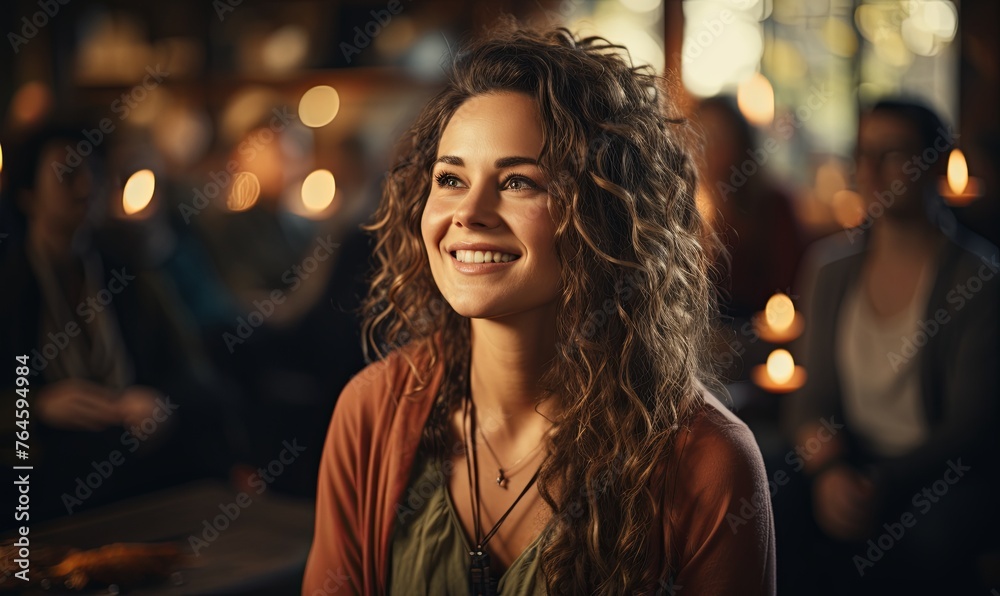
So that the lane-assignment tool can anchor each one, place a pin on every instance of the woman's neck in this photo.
(509, 357)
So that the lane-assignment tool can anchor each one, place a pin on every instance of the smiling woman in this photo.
(508, 443)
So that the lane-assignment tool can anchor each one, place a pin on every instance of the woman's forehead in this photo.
(487, 124)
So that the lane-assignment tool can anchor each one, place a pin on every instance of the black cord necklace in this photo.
(480, 581)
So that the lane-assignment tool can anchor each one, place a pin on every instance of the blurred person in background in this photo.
(119, 385)
(895, 425)
(753, 216)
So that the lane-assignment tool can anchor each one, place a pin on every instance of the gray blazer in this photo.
(959, 363)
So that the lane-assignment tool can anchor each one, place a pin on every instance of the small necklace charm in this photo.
(501, 479)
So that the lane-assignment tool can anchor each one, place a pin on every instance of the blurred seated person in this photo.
(894, 425)
(752, 215)
(121, 401)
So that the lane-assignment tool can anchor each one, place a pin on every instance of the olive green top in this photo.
(430, 552)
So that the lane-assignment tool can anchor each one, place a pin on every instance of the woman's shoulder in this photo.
(715, 467)
(381, 385)
(719, 521)
(717, 437)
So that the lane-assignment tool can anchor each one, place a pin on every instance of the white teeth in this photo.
(478, 256)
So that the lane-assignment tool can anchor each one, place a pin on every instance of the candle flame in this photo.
(780, 366)
(138, 191)
(779, 312)
(958, 172)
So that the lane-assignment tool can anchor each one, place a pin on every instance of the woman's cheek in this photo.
(430, 222)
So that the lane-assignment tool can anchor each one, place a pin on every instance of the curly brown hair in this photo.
(636, 307)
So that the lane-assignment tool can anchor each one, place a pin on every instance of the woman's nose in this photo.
(478, 208)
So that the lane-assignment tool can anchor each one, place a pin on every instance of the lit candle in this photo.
(957, 187)
(779, 322)
(780, 374)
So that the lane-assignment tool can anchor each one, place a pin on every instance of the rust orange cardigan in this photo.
(719, 521)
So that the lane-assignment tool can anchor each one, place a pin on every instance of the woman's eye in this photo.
(519, 183)
(448, 180)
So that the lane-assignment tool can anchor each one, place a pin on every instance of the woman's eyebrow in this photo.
(503, 162)
(451, 160)
(509, 162)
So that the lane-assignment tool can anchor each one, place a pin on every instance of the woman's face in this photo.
(488, 201)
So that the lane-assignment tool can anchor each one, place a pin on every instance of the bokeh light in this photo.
(319, 106)
(244, 192)
(138, 191)
(755, 98)
(779, 312)
(318, 190)
(958, 172)
(780, 366)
